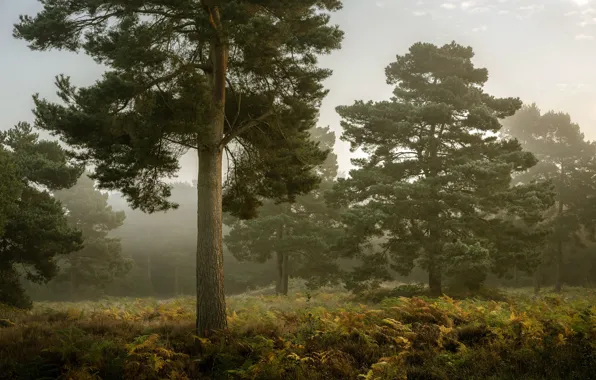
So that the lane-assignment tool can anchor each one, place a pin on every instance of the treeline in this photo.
(447, 191)
(240, 82)
(153, 255)
(464, 186)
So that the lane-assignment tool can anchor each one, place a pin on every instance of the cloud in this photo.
(581, 3)
(419, 13)
(576, 88)
(448, 5)
(527, 11)
(584, 37)
(482, 28)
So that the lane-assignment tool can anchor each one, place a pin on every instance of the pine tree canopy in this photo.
(568, 160)
(236, 77)
(155, 100)
(435, 184)
(306, 231)
(33, 226)
(100, 260)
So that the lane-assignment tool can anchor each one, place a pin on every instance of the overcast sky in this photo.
(541, 51)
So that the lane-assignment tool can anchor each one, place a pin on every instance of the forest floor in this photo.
(328, 334)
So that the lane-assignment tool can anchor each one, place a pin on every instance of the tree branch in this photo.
(243, 128)
(207, 69)
(179, 142)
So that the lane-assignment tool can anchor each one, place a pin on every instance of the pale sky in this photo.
(540, 51)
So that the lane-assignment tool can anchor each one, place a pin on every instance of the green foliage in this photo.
(435, 187)
(155, 101)
(10, 187)
(88, 271)
(34, 229)
(569, 162)
(302, 233)
(237, 78)
(325, 337)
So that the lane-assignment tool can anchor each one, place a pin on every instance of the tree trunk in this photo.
(72, 284)
(434, 279)
(434, 270)
(211, 306)
(149, 269)
(282, 268)
(559, 279)
(176, 283)
(537, 282)
(559, 257)
(284, 288)
(279, 273)
(211, 303)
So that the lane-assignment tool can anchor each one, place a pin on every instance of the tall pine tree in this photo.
(33, 227)
(100, 260)
(566, 159)
(238, 77)
(435, 184)
(300, 235)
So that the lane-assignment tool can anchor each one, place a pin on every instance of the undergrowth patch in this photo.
(306, 336)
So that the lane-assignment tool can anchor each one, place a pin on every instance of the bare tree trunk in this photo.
(537, 282)
(434, 280)
(149, 269)
(211, 307)
(559, 258)
(434, 270)
(559, 279)
(279, 273)
(72, 284)
(285, 276)
(211, 303)
(282, 267)
(176, 283)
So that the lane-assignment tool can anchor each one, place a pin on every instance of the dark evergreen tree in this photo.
(33, 228)
(300, 235)
(436, 183)
(239, 77)
(89, 270)
(566, 159)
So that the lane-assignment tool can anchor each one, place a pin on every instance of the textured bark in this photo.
(211, 307)
(211, 304)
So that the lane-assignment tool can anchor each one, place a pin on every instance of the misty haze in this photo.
(297, 189)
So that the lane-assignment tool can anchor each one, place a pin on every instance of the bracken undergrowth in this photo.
(323, 335)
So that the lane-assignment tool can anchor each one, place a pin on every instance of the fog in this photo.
(432, 217)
